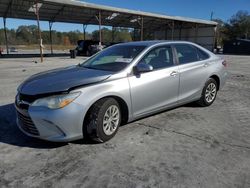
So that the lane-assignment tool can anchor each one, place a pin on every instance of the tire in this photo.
(209, 93)
(98, 126)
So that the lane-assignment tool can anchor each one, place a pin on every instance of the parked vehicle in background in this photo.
(87, 47)
(122, 83)
(237, 46)
(218, 50)
(90, 47)
(13, 49)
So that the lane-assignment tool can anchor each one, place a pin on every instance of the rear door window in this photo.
(202, 55)
(186, 53)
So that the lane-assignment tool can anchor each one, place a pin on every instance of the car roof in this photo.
(152, 42)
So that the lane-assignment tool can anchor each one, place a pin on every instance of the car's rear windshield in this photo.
(114, 59)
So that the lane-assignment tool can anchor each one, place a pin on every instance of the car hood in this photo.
(62, 80)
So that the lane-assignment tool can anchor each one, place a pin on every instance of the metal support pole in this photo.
(84, 34)
(180, 30)
(5, 35)
(39, 31)
(113, 33)
(84, 31)
(50, 36)
(215, 39)
(212, 15)
(100, 28)
(142, 28)
(172, 30)
(134, 33)
(196, 33)
(166, 32)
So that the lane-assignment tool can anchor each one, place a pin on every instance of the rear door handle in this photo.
(174, 73)
(205, 65)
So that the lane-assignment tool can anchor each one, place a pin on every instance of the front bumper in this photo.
(59, 125)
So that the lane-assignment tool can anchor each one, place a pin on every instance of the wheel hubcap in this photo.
(210, 92)
(111, 120)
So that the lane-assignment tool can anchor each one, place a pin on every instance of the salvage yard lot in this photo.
(184, 147)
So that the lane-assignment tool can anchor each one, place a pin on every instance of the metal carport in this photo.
(159, 26)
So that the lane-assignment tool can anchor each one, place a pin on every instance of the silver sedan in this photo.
(122, 83)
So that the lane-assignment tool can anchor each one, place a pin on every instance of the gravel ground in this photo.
(185, 147)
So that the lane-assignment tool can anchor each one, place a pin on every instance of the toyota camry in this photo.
(120, 84)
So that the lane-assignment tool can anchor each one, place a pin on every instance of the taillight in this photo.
(224, 63)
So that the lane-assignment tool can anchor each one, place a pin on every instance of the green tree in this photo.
(27, 34)
(120, 35)
(1, 37)
(123, 35)
(238, 26)
(220, 36)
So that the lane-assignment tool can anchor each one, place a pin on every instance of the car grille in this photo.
(27, 124)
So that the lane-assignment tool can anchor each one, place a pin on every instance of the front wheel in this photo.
(103, 120)
(209, 93)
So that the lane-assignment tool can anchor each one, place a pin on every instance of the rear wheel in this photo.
(103, 120)
(209, 93)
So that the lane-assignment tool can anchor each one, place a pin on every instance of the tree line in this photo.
(238, 26)
(26, 35)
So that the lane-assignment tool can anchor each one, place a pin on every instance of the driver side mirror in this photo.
(142, 67)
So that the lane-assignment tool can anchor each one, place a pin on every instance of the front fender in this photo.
(118, 88)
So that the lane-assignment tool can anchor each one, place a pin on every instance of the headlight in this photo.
(57, 101)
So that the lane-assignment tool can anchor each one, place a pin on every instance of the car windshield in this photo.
(114, 59)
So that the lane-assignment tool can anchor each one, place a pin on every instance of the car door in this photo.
(193, 71)
(151, 91)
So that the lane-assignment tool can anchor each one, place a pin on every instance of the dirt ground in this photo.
(185, 147)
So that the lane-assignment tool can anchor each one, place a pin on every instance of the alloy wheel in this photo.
(111, 120)
(210, 93)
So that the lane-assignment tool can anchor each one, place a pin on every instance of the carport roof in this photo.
(71, 11)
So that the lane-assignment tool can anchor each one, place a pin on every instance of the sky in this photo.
(222, 9)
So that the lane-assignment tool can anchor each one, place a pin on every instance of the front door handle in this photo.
(174, 73)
